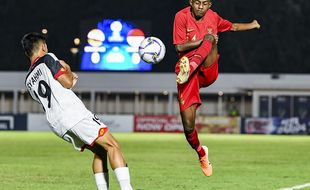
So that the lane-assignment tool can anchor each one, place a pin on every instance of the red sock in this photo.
(193, 140)
(200, 55)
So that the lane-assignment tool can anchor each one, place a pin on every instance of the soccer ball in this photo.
(152, 50)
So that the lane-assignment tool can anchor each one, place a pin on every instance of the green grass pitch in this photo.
(39, 161)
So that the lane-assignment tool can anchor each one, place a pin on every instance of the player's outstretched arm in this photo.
(187, 46)
(69, 78)
(245, 26)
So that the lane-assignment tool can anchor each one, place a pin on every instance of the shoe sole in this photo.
(184, 71)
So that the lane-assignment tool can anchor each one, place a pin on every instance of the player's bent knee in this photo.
(188, 125)
(213, 78)
(208, 78)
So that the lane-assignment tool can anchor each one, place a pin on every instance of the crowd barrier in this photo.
(170, 124)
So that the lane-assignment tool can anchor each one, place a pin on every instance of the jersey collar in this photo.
(35, 60)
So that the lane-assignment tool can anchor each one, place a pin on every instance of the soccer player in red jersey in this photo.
(195, 38)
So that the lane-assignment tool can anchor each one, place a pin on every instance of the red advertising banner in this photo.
(204, 124)
(158, 124)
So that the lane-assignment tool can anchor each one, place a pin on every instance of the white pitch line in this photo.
(297, 187)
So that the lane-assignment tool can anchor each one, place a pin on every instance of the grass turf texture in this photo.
(33, 161)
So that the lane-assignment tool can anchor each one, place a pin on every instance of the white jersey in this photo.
(62, 107)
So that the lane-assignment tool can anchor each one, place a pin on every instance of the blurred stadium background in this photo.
(263, 73)
(263, 86)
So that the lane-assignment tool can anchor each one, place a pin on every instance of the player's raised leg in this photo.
(188, 120)
(189, 65)
(116, 159)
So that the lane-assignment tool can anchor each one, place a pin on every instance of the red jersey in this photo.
(186, 28)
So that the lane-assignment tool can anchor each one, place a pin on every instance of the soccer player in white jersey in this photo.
(49, 82)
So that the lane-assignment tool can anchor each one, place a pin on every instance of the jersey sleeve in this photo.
(53, 64)
(223, 24)
(179, 29)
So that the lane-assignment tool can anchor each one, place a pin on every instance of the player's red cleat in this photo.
(205, 165)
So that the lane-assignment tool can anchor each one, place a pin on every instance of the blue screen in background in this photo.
(113, 46)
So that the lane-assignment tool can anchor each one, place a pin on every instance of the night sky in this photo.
(282, 45)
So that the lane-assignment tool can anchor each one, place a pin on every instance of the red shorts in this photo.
(188, 93)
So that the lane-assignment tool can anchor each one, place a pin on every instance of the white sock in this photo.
(102, 181)
(123, 178)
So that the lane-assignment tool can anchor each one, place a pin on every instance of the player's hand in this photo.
(74, 82)
(75, 79)
(209, 37)
(256, 24)
(64, 65)
(75, 76)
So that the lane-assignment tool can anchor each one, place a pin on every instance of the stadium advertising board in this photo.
(276, 126)
(173, 124)
(13, 122)
(118, 123)
(158, 124)
(37, 122)
(218, 124)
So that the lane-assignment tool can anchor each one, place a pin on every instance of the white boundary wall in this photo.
(159, 82)
(115, 123)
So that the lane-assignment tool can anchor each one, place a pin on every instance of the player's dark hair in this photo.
(31, 41)
(208, 0)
